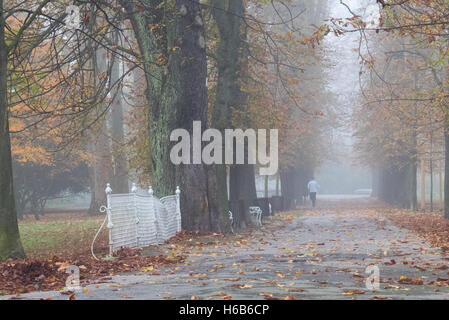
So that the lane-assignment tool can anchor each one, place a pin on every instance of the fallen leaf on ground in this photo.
(242, 286)
(352, 292)
(231, 279)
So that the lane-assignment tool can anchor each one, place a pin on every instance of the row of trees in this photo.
(403, 117)
(104, 97)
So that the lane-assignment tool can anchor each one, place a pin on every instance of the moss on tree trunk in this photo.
(174, 60)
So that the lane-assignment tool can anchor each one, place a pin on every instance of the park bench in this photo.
(256, 212)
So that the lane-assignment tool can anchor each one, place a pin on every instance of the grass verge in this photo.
(65, 236)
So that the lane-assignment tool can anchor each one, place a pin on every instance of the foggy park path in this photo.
(318, 254)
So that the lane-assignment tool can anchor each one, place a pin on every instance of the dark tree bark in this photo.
(265, 187)
(303, 176)
(446, 171)
(228, 19)
(10, 244)
(294, 185)
(375, 182)
(414, 185)
(277, 184)
(242, 186)
(119, 163)
(288, 188)
(395, 185)
(100, 171)
(174, 60)
(232, 63)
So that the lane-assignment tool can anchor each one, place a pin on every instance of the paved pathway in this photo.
(320, 256)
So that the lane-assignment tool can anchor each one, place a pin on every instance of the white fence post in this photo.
(178, 208)
(153, 207)
(134, 192)
(108, 191)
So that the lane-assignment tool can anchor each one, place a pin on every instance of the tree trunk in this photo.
(446, 170)
(414, 185)
(100, 170)
(119, 162)
(423, 186)
(414, 155)
(243, 187)
(288, 188)
(440, 189)
(431, 170)
(234, 55)
(265, 187)
(375, 182)
(174, 59)
(228, 19)
(99, 147)
(381, 185)
(405, 197)
(294, 185)
(395, 185)
(10, 244)
(303, 176)
(277, 184)
(431, 182)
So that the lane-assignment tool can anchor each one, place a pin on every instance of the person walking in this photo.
(313, 187)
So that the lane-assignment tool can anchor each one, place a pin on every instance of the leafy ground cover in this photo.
(57, 241)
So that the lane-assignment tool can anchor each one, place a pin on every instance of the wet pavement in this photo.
(323, 255)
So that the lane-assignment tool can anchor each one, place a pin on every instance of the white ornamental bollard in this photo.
(136, 215)
(108, 191)
(155, 216)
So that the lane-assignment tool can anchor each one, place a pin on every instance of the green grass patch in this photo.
(61, 237)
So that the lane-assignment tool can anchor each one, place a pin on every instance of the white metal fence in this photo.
(136, 220)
